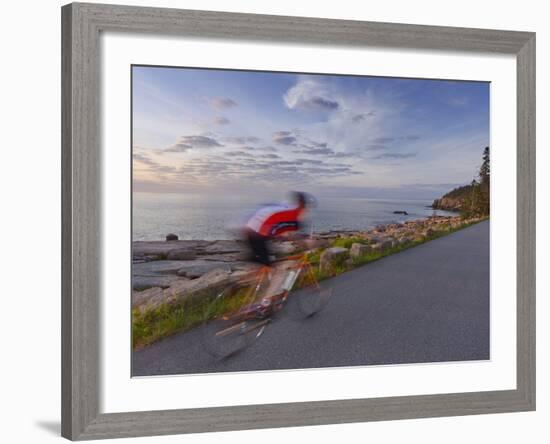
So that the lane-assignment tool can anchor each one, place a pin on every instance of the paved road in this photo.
(426, 304)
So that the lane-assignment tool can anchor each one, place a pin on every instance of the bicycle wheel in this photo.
(313, 296)
(231, 322)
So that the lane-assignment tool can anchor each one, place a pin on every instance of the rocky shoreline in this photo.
(175, 271)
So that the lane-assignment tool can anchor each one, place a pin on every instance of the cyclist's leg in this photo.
(258, 248)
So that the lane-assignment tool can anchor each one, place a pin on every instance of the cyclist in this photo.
(271, 222)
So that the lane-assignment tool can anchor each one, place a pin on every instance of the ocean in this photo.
(215, 218)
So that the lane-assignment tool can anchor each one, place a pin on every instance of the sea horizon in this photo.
(200, 217)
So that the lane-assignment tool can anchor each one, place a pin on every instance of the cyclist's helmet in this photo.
(304, 199)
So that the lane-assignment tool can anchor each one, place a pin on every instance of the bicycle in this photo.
(239, 314)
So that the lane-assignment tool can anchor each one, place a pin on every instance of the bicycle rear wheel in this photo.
(231, 323)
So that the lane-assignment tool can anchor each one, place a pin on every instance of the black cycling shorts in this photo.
(258, 248)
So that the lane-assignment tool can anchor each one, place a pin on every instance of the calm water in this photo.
(194, 217)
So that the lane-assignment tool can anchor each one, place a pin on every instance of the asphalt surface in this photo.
(426, 304)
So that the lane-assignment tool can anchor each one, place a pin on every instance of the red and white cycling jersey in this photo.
(274, 220)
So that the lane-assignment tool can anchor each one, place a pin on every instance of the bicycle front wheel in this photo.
(313, 299)
(312, 296)
(231, 323)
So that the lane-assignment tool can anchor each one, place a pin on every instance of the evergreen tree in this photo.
(485, 169)
(484, 180)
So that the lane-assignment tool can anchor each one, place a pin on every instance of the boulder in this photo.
(226, 257)
(222, 247)
(207, 286)
(384, 244)
(152, 257)
(171, 237)
(140, 283)
(156, 268)
(142, 297)
(313, 244)
(332, 257)
(373, 239)
(161, 248)
(195, 269)
(155, 274)
(181, 254)
(358, 250)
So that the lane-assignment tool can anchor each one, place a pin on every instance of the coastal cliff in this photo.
(469, 200)
(473, 199)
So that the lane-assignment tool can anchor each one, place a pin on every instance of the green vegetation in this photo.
(347, 242)
(472, 200)
(153, 324)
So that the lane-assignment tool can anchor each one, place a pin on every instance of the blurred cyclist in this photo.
(271, 222)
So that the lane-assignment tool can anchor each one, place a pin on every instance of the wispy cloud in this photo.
(220, 120)
(222, 103)
(242, 140)
(284, 140)
(310, 95)
(186, 143)
(459, 101)
(239, 154)
(358, 118)
(395, 156)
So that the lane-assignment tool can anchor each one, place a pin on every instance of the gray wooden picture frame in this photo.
(81, 174)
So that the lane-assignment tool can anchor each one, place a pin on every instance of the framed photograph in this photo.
(278, 221)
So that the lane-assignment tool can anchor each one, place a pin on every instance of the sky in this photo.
(243, 132)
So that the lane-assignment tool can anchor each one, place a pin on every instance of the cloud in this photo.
(314, 150)
(382, 140)
(312, 161)
(395, 156)
(143, 158)
(376, 147)
(221, 103)
(186, 143)
(239, 154)
(381, 143)
(358, 118)
(318, 102)
(310, 95)
(220, 120)
(269, 156)
(319, 151)
(459, 101)
(151, 164)
(242, 140)
(178, 147)
(282, 133)
(319, 144)
(265, 148)
(284, 140)
(344, 155)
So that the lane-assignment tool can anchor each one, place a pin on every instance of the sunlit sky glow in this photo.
(218, 131)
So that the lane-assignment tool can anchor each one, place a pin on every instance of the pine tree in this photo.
(485, 169)
(484, 181)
